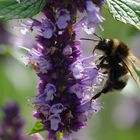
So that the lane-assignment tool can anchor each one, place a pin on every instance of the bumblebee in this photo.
(118, 62)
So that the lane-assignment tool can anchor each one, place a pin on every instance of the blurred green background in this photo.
(119, 118)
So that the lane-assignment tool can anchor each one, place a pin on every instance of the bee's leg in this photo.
(96, 96)
(105, 90)
(102, 57)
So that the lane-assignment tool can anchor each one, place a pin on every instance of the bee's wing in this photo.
(133, 65)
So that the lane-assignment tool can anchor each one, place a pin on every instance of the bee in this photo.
(118, 62)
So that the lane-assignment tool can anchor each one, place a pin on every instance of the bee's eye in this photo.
(103, 45)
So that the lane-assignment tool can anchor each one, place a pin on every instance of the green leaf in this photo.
(11, 9)
(127, 11)
(38, 127)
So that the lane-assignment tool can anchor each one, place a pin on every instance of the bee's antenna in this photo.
(98, 36)
(99, 39)
(96, 96)
(89, 39)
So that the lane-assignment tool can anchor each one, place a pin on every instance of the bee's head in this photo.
(104, 45)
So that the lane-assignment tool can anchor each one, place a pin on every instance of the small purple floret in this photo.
(48, 29)
(62, 18)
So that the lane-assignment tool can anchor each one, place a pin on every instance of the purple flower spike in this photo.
(67, 81)
(12, 123)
